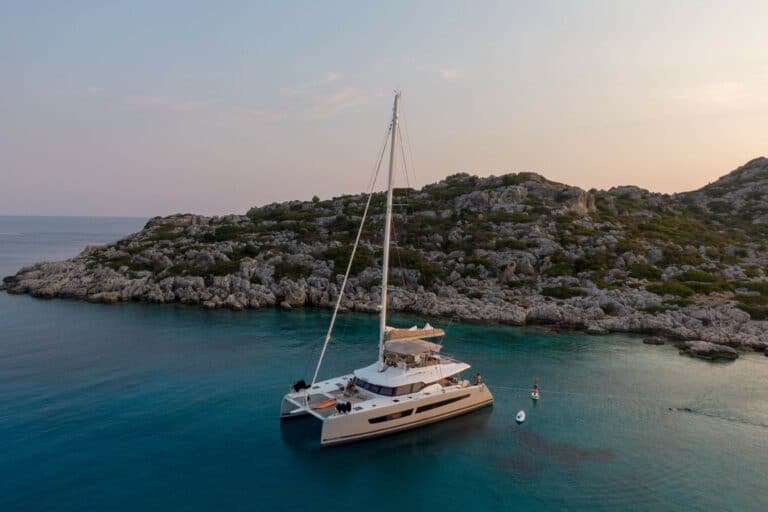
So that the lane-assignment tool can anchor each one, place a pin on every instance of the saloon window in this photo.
(388, 391)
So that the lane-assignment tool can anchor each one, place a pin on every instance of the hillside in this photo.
(516, 248)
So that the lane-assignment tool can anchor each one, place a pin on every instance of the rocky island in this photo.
(516, 249)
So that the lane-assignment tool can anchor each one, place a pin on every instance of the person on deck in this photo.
(350, 389)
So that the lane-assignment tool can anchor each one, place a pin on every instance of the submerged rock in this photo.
(708, 350)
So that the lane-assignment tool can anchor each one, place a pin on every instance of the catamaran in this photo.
(410, 384)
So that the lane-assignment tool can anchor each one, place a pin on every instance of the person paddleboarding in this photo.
(535, 393)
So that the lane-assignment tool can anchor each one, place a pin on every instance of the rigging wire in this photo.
(410, 146)
(352, 255)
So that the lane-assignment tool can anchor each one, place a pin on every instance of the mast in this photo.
(388, 230)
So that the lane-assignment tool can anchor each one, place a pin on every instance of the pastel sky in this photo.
(151, 107)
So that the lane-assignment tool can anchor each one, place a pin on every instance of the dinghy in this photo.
(520, 417)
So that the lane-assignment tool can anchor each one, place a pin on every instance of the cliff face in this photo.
(516, 248)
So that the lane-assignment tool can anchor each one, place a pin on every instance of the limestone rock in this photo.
(708, 350)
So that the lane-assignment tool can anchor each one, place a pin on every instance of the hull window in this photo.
(441, 403)
(390, 417)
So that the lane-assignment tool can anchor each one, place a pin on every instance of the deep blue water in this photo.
(142, 407)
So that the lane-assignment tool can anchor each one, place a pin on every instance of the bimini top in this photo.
(411, 347)
(412, 333)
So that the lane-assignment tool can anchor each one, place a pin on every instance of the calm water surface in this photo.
(174, 408)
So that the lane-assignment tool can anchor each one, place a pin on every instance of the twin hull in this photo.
(395, 416)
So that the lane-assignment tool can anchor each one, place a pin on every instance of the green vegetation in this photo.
(292, 271)
(670, 288)
(407, 258)
(166, 232)
(599, 279)
(222, 268)
(340, 256)
(643, 271)
(562, 292)
(561, 266)
(500, 216)
(657, 308)
(755, 305)
(511, 243)
(224, 232)
(704, 282)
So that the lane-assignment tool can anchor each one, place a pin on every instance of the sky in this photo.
(148, 108)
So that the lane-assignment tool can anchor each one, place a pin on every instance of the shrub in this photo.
(499, 216)
(698, 276)
(222, 268)
(561, 268)
(512, 243)
(594, 262)
(758, 286)
(223, 233)
(670, 288)
(165, 232)
(292, 271)
(755, 312)
(704, 282)
(599, 279)
(643, 271)
(411, 259)
(126, 261)
(680, 258)
(719, 206)
(340, 256)
(755, 300)
(562, 292)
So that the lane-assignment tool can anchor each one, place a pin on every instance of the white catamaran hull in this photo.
(389, 416)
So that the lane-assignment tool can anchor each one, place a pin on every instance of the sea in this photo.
(170, 407)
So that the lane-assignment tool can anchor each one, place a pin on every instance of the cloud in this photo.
(182, 106)
(168, 103)
(307, 87)
(178, 105)
(332, 102)
(312, 100)
(451, 74)
(324, 97)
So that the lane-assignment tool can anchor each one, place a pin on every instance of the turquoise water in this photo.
(166, 407)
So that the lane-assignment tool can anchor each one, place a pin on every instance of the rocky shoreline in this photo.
(719, 325)
(515, 249)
